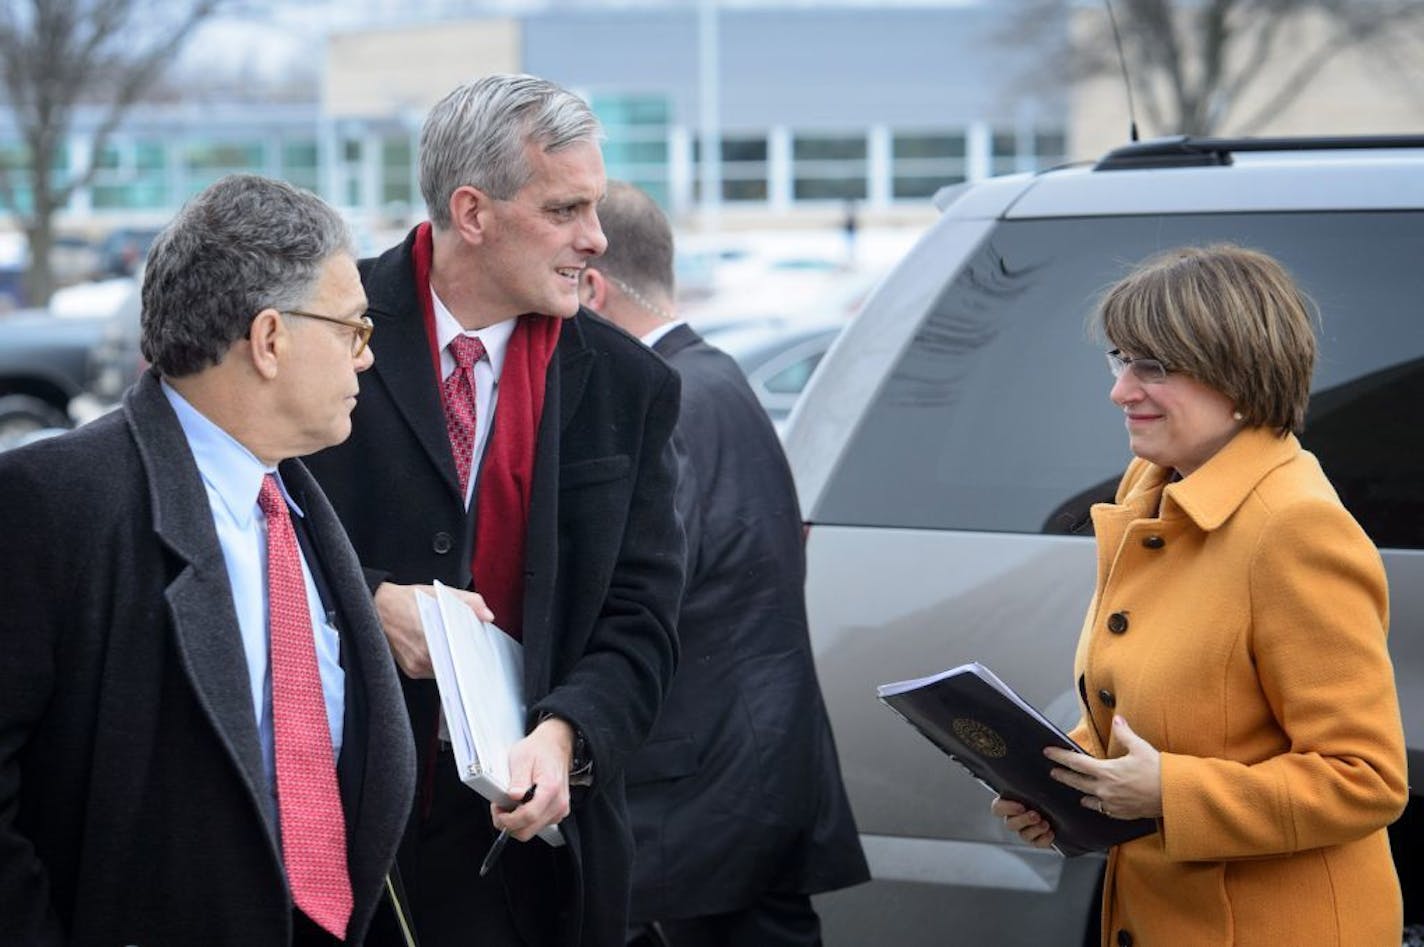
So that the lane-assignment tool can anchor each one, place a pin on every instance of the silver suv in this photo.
(952, 441)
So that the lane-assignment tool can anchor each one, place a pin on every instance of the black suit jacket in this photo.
(133, 802)
(603, 564)
(738, 790)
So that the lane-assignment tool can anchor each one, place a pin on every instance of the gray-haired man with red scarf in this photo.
(512, 443)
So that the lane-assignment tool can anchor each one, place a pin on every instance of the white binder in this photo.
(480, 672)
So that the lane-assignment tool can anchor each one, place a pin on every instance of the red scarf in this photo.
(506, 480)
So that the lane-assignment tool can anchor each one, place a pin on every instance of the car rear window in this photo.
(997, 417)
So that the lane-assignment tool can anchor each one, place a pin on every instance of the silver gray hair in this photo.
(476, 136)
(245, 244)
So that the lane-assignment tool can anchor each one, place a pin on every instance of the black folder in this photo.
(999, 737)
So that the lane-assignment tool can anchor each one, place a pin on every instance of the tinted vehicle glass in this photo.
(997, 416)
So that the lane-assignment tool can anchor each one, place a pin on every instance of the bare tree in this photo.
(56, 55)
(1192, 62)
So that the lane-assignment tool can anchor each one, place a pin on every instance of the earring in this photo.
(1238, 416)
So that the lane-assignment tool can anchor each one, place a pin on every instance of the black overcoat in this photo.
(738, 790)
(133, 802)
(603, 563)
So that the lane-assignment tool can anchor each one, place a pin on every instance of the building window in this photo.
(131, 175)
(636, 146)
(397, 158)
(206, 161)
(301, 164)
(924, 162)
(743, 168)
(15, 159)
(1042, 148)
(828, 167)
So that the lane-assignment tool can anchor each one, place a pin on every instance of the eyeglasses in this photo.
(1149, 371)
(362, 326)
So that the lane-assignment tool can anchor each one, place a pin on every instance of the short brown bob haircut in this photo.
(1230, 317)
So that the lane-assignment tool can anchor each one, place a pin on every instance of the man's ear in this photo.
(268, 340)
(470, 213)
(593, 289)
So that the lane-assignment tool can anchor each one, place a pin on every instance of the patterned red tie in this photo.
(308, 801)
(458, 393)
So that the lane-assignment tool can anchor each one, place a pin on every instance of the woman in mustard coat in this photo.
(1232, 668)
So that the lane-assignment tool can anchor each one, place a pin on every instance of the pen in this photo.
(503, 838)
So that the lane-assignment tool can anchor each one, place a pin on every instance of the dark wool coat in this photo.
(133, 803)
(738, 791)
(603, 567)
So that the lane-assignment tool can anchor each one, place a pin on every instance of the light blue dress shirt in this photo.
(232, 476)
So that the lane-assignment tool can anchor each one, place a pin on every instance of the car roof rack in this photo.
(1184, 151)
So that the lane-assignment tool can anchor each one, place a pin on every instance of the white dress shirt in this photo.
(232, 476)
(487, 372)
(651, 339)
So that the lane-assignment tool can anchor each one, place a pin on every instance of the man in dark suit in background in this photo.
(202, 739)
(738, 809)
(509, 440)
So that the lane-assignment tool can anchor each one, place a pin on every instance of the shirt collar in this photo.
(651, 339)
(495, 337)
(232, 471)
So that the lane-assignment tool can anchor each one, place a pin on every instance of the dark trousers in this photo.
(452, 905)
(775, 920)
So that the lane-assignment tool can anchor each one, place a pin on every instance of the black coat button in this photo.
(1107, 697)
(1124, 938)
(1154, 542)
(441, 543)
(1117, 622)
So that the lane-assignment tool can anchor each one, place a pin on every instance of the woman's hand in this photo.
(1125, 787)
(1028, 824)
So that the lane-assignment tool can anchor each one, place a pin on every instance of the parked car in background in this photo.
(43, 365)
(777, 356)
(949, 446)
(123, 250)
(115, 362)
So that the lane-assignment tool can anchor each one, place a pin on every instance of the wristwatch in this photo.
(580, 762)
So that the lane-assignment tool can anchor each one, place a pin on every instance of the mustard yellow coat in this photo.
(1242, 633)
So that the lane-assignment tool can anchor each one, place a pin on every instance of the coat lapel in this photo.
(403, 364)
(206, 633)
(381, 800)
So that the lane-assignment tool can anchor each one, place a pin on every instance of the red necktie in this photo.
(308, 801)
(458, 393)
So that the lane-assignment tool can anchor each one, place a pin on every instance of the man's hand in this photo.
(1125, 787)
(541, 759)
(400, 619)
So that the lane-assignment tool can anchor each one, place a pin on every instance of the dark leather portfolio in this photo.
(999, 737)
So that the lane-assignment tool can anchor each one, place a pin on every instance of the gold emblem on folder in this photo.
(983, 740)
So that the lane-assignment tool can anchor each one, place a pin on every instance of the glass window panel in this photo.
(299, 154)
(923, 185)
(951, 145)
(744, 190)
(1017, 310)
(736, 148)
(224, 156)
(821, 189)
(150, 155)
(828, 148)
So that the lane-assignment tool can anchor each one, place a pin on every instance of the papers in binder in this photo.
(983, 725)
(480, 672)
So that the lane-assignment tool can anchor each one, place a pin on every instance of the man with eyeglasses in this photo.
(202, 740)
(510, 442)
